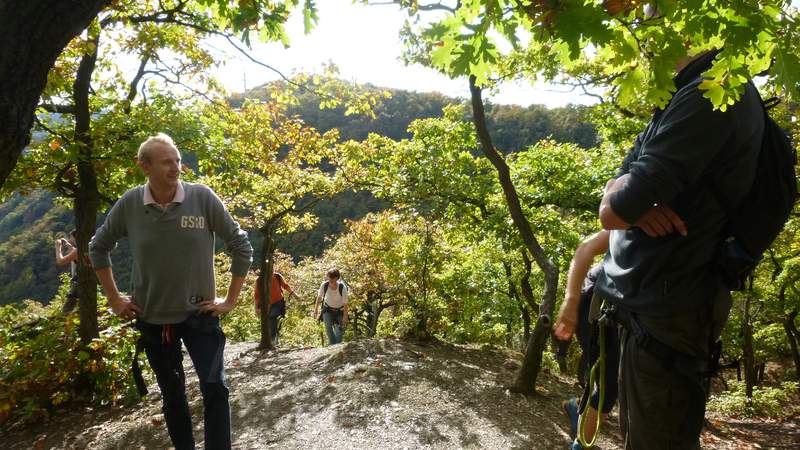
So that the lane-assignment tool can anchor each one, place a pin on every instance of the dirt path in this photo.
(368, 394)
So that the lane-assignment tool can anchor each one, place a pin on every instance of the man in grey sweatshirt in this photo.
(171, 227)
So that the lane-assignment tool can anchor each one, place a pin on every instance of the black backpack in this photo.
(757, 221)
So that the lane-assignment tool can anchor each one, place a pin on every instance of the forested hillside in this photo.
(513, 127)
(29, 224)
(28, 227)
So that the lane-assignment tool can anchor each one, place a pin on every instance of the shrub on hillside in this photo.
(776, 402)
(43, 364)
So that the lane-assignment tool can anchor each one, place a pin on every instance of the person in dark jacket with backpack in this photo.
(333, 295)
(667, 225)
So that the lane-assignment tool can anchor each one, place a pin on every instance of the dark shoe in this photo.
(570, 408)
(69, 305)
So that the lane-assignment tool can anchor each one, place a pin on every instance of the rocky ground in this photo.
(372, 394)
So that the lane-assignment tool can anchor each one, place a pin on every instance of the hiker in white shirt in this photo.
(333, 294)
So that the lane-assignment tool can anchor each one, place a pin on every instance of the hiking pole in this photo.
(599, 365)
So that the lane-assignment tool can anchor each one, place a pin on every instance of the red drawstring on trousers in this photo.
(166, 334)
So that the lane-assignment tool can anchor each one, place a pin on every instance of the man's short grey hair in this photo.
(160, 138)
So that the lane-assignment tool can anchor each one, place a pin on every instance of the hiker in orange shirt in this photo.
(277, 302)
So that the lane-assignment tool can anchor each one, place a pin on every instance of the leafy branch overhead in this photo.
(269, 166)
(636, 45)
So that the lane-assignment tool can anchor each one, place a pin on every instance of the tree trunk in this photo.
(373, 311)
(422, 310)
(356, 317)
(526, 315)
(525, 284)
(87, 200)
(34, 33)
(561, 350)
(526, 377)
(526, 325)
(267, 269)
(747, 349)
(793, 335)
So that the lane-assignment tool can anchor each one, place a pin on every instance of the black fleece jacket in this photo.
(686, 147)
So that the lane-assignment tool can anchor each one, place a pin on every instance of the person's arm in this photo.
(288, 289)
(121, 305)
(659, 220)
(567, 321)
(237, 245)
(690, 134)
(61, 259)
(319, 299)
(103, 242)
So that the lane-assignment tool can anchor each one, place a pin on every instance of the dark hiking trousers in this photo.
(205, 342)
(660, 407)
(276, 311)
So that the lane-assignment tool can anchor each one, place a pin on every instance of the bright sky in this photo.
(363, 41)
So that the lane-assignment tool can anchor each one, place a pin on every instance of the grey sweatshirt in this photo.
(172, 249)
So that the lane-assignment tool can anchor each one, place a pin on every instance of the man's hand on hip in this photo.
(216, 307)
(124, 308)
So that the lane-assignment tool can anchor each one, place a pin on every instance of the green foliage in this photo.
(268, 166)
(549, 363)
(43, 365)
(635, 54)
(773, 402)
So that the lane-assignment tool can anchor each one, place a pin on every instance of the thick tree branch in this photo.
(438, 6)
(134, 86)
(56, 108)
(49, 130)
(158, 16)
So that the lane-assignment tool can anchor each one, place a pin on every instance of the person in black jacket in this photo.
(667, 225)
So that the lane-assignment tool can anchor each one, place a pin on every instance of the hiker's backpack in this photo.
(757, 221)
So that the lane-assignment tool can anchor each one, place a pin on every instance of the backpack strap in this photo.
(771, 103)
(711, 184)
(325, 288)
